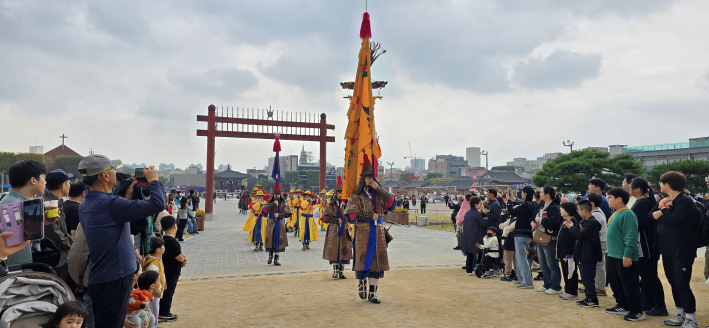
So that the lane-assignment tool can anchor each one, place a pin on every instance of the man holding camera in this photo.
(105, 219)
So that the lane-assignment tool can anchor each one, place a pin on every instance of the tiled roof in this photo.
(229, 174)
(414, 184)
(507, 177)
(394, 184)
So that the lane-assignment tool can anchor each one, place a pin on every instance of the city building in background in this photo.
(448, 165)
(695, 148)
(472, 156)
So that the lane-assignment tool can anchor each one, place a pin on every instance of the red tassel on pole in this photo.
(365, 31)
(277, 145)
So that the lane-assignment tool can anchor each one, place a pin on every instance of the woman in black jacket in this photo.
(524, 213)
(565, 251)
(675, 215)
(653, 293)
(474, 228)
(548, 221)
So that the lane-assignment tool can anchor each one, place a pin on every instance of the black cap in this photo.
(57, 177)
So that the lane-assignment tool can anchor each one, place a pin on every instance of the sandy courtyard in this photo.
(419, 297)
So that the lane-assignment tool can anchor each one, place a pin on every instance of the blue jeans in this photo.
(191, 225)
(550, 266)
(524, 272)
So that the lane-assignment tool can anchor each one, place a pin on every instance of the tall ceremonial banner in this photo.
(360, 134)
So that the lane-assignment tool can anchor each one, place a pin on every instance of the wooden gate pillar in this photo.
(211, 126)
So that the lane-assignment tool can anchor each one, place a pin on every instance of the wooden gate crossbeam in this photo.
(256, 135)
(236, 120)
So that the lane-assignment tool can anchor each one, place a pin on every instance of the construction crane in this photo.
(415, 157)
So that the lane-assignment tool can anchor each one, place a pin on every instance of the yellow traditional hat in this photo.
(298, 191)
(323, 191)
(308, 193)
(260, 193)
(292, 191)
(330, 193)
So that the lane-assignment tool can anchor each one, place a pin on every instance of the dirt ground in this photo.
(425, 297)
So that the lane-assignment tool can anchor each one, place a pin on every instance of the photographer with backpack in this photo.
(676, 216)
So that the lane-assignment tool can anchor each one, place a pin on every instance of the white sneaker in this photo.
(553, 292)
(469, 274)
(541, 289)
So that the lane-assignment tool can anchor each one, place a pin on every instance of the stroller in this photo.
(29, 299)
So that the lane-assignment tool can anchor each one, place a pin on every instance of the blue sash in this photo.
(342, 225)
(257, 230)
(276, 244)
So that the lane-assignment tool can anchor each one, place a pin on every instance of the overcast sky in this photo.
(129, 78)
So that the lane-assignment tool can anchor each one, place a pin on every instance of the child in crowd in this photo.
(140, 298)
(491, 244)
(153, 262)
(565, 251)
(623, 256)
(596, 202)
(173, 262)
(587, 251)
(68, 315)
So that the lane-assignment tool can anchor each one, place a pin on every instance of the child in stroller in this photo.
(492, 265)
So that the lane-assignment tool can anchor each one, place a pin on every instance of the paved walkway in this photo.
(223, 251)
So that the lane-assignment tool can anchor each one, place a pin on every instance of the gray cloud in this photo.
(214, 82)
(562, 69)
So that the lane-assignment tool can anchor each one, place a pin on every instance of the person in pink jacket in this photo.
(464, 208)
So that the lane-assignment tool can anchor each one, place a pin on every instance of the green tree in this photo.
(509, 168)
(162, 179)
(291, 180)
(6, 160)
(70, 164)
(19, 157)
(694, 170)
(313, 177)
(266, 184)
(126, 169)
(404, 176)
(571, 172)
(433, 175)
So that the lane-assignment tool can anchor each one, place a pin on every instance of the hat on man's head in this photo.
(95, 164)
(57, 177)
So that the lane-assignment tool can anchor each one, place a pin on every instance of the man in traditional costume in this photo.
(321, 204)
(366, 208)
(338, 244)
(256, 223)
(294, 204)
(306, 223)
(277, 210)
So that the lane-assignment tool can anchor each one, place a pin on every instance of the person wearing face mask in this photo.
(491, 244)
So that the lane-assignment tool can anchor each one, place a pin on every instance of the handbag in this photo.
(542, 238)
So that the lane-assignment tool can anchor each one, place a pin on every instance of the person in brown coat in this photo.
(338, 245)
(366, 209)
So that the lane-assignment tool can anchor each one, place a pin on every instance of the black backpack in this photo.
(700, 225)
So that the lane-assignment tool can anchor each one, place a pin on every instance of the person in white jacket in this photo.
(493, 246)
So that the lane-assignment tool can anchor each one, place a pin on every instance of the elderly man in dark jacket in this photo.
(474, 228)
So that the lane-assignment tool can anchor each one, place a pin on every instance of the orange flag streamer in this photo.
(361, 134)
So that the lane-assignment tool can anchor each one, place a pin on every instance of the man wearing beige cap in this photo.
(105, 219)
